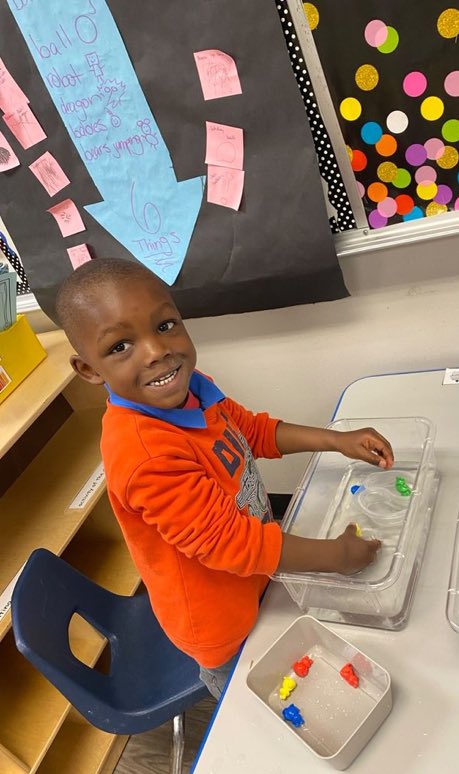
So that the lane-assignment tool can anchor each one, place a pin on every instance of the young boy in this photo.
(180, 469)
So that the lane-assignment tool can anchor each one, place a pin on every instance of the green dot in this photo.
(450, 130)
(391, 42)
(402, 179)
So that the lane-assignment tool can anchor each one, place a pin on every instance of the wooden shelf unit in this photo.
(79, 747)
(39, 731)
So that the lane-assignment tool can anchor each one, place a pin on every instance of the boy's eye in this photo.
(122, 346)
(167, 325)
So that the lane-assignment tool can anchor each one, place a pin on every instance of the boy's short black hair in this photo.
(80, 288)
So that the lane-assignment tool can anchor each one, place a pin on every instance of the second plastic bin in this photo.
(338, 720)
(452, 600)
(335, 492)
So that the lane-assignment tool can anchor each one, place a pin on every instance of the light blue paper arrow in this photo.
(84, 64)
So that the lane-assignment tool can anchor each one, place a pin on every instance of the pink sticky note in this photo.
(49, 173)
(217, 73)
(8, 158)
(25, 127)
(78, 255)
(67, 217)
(11, 95)
(224, 146)
(224, 186)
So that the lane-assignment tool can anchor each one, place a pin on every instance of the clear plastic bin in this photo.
(339, 719)
(452, 600)
(335, 492)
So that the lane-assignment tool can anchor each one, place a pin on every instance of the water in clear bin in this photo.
(370, 498)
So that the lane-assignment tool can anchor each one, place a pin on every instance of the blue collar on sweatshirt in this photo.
(206, 391)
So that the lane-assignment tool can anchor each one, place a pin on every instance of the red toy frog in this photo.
(301, 667)
(347, 672)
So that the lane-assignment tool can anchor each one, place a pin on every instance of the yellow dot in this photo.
(349, 152)
(448, 23)
(432, 108)
(435, 209)
(350, 108)
(387, 171)
(312, 15)
(366, 77)
(427, 191)
(449, 158)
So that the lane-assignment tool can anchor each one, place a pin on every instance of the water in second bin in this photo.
(332, 709)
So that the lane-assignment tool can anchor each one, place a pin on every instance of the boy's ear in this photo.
(84, 370)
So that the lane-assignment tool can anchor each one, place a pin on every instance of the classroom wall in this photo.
(295, 362)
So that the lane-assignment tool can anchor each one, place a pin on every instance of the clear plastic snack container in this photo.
(338, 719)
(395, 506)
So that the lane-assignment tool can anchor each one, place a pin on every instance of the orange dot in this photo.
(404, 204)
(377, 192)
(387, 145)
(358, 161)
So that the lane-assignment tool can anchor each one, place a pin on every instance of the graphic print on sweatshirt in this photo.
(252, 492)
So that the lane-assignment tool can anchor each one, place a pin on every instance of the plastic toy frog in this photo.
(288, 685)
(402, 487)
(347, 672)
(293, 715)
(302, 667)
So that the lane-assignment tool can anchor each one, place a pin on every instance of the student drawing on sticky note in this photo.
(221, 183)
(219, 77)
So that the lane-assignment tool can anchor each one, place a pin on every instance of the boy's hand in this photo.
(345, 554)
(367, 445)
(353, 553)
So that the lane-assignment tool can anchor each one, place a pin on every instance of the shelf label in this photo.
(89, 488)
(5, 596)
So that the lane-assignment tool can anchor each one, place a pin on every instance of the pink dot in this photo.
(376, 220)
(451, 83)
(387, 207)
(376, 33)
(360, 188)
(434, 148)
(425, 175)
(456, 204)
(444, 194)
(414, 84)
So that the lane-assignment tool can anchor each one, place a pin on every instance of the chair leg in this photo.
(178, 743)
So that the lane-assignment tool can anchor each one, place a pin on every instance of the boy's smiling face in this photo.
(132, 338)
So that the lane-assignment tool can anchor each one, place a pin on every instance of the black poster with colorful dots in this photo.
(274, 249)
(392, 69)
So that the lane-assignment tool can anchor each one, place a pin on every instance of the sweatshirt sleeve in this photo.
(258, 429)
(193, 513)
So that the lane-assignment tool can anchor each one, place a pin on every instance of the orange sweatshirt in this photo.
(195, 514)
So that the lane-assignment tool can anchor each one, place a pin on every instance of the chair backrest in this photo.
(149, 679)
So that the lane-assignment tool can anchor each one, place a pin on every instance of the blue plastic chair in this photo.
(149, 682)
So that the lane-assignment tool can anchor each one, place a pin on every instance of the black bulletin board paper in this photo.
(276, 250)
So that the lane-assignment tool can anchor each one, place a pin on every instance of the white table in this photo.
(421, 735)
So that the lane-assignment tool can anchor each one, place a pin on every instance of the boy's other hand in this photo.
(354, 553)
(367, 445)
